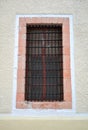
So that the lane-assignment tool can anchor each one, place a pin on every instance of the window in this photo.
(44, 63)
(44, 73)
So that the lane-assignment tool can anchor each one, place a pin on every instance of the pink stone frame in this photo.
(20, 96)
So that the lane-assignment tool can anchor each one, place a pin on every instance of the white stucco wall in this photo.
(8, 11)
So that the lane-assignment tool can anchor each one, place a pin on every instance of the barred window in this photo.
(44, 63)
(44, 71)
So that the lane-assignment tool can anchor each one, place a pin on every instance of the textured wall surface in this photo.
(43, 124)
(8, 11)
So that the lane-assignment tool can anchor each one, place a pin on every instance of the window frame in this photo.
(20, 102)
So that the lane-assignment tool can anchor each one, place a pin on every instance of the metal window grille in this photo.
(44, 63)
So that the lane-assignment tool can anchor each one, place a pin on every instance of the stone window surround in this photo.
(67, 103)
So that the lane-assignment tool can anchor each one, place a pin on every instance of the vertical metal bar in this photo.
(44, 73)
(29, 67)
(51, 44)
(56, 72)
(30, 56)
(51, 68)
(44, 66)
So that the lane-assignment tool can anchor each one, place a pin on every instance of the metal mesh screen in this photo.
(44, 63)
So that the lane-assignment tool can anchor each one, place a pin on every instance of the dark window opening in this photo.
(44, 63)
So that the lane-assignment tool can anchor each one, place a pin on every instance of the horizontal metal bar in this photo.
(48, 55)
(41, 76)
(43, 40)
(39, 70)
(28, 47)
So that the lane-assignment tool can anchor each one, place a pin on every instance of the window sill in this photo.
(42, 112)
(44, 105)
